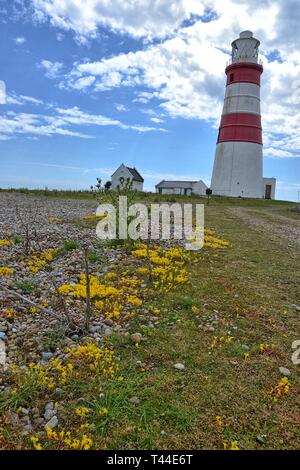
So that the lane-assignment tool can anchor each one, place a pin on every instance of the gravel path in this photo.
(269, 221)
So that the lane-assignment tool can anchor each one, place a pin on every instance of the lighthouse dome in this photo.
(246, 35)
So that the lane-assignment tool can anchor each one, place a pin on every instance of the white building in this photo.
(269, 187)
(122, 174)
(238, 166)
(186, 188)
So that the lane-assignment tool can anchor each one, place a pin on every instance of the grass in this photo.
(251, 288)
(27, 287)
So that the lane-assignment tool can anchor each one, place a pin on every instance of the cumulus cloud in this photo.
(138, 18)
(52, 69)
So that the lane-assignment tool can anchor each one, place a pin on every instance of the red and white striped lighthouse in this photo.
(238, 166)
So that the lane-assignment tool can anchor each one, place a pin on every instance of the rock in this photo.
(245, 347)
(94, 329)
(109, 322)
(49, 411)
(284, 371)
(163, 433)
(136, 337)
(179, 366)
(46, 356)
(3, 336)
(296, 307)
(209, 328)
(24, 411)
(260, 439)
(108, 332)
(3, 328)
(52, 423)
(134, 400)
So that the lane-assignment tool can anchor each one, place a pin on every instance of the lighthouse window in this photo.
(231, 77)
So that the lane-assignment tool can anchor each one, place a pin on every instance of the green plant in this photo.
(26, 287)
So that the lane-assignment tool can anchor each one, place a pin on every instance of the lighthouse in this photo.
(238, 166)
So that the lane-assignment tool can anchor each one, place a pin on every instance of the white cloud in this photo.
(61, 122)
(60, 37)
(15, 99)
(156, 120)
(2, 92)
(19, 40)
(52, 69)
(138, 18)
(120, 107)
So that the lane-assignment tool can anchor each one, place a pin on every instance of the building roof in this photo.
(136, 175)
(176, 184)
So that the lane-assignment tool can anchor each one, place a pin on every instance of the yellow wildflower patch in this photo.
(5, 243)
(280, 390)
(4, 271)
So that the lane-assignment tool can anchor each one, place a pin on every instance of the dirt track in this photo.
(270, 221)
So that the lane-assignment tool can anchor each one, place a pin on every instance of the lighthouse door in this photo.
(268, 191)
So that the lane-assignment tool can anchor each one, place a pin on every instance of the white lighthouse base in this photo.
(238, 170)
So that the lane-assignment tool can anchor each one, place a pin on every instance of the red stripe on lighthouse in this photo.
(240, 127)
(244, 72)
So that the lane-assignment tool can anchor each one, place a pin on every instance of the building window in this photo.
(231, 77)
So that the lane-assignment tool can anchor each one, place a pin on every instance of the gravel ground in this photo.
(32, 334)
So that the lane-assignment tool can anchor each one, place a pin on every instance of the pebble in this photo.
(3, 336)
(179, 366)
(260, 439)
(296, 307)
(134, 400)
(136, 337)
(3, 328)
(108, 332)
(284, 371)
(245, 347)
(52, 423)
(46, 356)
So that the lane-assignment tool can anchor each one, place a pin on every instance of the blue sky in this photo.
(91, 84)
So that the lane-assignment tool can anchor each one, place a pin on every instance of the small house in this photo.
(122, 174)
(185, 188)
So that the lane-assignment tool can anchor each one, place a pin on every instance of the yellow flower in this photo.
(103, 411)
(219, 422)
(6, 271)
(5, 242)
(82, 411)
(36, 444)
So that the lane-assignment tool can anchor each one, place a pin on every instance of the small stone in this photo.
(136, 337)
(134, 400)
(46, 356)
(284, 371)
(108, 332)
(179, 366)
(109, 322)
(260, 439)
(3, 328)
(163, 433)
(52, 423)
(245, 347)
(3, 336)
(209, 328)
(296, 307)
(24, 411)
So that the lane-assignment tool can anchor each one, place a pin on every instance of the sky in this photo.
(86, 85)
